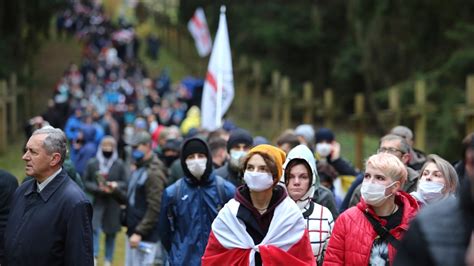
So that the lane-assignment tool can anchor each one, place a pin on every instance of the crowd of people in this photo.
(130, 153)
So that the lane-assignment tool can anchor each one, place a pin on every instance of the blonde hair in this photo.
(449, 173)
(389, 165)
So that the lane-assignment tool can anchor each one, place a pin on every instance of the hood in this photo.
(304, 153)
(88, 132)
(193, 142)
(410, 208)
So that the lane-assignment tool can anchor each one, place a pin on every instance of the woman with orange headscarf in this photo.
(261, 225)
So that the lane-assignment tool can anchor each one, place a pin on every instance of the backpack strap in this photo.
(220, 192)
(383, 232)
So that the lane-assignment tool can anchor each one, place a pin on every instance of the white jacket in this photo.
(319, 220)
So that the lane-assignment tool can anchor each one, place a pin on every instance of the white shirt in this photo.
(43, 184)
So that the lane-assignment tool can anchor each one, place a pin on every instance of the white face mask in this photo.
(323, 149)
(374, 194)
(430, 191)
(235, 157)
(197, 167)
(257, 181)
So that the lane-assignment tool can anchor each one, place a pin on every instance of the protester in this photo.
(239, 143)
(399, 147)
(8, 185)
(301, 180)
(369, 233)
(190, 205)
(218, 148)
(442, 233)
(105, 177)
(261, 225)
(50, 220)
(465, 167)
(145, 189)
(417, 157)
(287, 141)
(438, 181)
(305, 134)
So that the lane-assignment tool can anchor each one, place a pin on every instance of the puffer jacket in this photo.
(188, 208)
(319, 220)
(353, 235)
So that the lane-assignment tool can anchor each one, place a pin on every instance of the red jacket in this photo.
(353, 235)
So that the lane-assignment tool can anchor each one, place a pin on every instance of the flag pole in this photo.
(219, 88)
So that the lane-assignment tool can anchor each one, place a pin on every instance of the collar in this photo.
(47, 181)
(47, 191)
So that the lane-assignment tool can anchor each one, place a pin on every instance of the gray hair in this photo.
(404, 146)
(55, 141)
(403, 132)
(446, 168)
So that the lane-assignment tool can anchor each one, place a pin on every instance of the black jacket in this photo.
(53, 227)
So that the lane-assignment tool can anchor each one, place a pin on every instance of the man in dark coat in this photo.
(50, 220)
(8, 185)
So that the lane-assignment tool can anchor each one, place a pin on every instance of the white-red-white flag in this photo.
(197, 25)
(218, 91)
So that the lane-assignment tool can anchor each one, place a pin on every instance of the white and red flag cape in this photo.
(218, 91)
(197, 25)
(286, 243)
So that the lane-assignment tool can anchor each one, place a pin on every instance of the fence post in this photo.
(256, 102)
(13, 104)
(329, 108)
(394, 105)
(359, 103)
(470, 104)
(276, 104)
(3, 116)
(308, 103)
(420, 118)
(286, 103)
(242, 91)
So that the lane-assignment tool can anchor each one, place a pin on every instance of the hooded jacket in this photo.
(188, 208)
(319, 220)
(353, 234)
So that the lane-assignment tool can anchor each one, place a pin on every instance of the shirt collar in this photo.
(41, 186)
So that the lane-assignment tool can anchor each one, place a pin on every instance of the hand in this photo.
(336, 151)
(105, 189)
(112, 185)
(134, 240)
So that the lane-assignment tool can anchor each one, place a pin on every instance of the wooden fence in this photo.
(14, 110)
(278, 114)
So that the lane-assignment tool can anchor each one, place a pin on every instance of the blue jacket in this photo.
(53, 227)
(186, 237)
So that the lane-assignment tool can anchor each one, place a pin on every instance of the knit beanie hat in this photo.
(324, 134)
(277, 155)
(238, 136)
(194, 146)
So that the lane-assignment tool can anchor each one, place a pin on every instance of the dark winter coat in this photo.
(106, 206)
(53, 227)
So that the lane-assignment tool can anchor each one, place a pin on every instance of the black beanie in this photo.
(324, 134)
(194, 145)
(238, 136)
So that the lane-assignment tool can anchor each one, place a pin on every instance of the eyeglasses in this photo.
(389, 150)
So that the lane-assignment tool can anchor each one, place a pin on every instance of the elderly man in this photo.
(50, 220)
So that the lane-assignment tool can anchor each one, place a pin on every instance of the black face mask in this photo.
(107, 154)
(168, 160)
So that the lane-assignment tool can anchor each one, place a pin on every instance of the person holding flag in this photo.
(218, 91)
(261, 225)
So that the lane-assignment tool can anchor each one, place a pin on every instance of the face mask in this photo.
(137, 155)
(323, 149)
(197, 167)
(430, 191)
(107, 154)
(374, 194)
(235, 157)
(257, 181)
